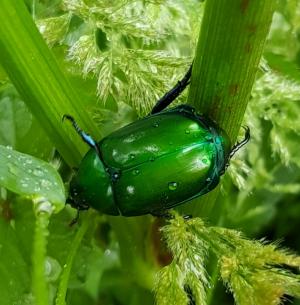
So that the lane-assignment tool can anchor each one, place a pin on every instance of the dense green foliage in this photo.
(119, 57)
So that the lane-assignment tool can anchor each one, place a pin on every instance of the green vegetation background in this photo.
(120, 58)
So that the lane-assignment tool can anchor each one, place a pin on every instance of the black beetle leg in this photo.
(171, 95)
(85, 137)
(238, 145)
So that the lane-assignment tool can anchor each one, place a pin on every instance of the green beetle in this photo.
(156, 163)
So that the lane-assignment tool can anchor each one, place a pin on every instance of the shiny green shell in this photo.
(153, 164)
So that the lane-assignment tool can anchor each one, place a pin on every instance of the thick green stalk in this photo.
(35, 73)
(230, 45)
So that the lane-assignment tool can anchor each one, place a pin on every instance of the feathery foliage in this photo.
(127, 46)
(256, 272)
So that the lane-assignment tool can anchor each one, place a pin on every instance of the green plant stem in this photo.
(35, 73)
(228, 53)
(39, 284)
(132, 236)
(64, 278)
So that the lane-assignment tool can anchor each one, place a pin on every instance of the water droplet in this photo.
(155, 124)
(130, 189)
(116, 176)
(172, 186)
(45, 183)
(38, 172)
(131, 156)
(135, 172)
(8, 156)
(187, 131)
(208, 179)
(13, 169)
(204, 161)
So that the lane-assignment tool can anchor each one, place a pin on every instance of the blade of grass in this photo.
(35, 73)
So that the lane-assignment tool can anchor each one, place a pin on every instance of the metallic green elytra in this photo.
(153, 164)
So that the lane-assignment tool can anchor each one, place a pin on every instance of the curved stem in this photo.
(64, 278)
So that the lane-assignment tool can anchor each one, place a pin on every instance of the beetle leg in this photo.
(238, 145)
(84, 136)
(171, 95)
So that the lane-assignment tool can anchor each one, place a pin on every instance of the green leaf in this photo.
(29, 176)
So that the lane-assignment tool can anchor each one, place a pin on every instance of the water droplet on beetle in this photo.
(136, 172)
(172, 186)
(208, 179)
(131, 156)
(155, 124)
(116, 176)
(204, 161)
(130, 189)
(151, 159)
(187, 131)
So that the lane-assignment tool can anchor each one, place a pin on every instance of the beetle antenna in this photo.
(238, 145)
(84, 136)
